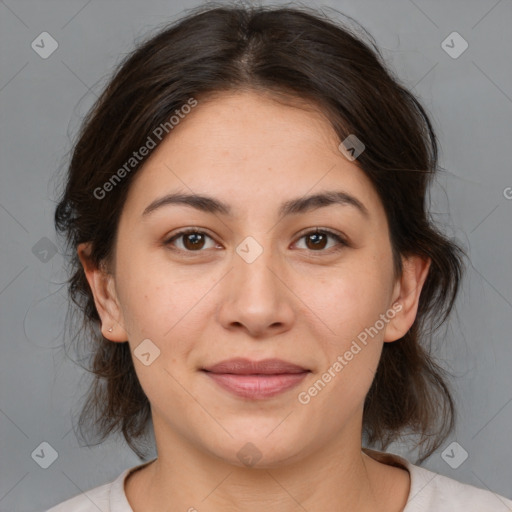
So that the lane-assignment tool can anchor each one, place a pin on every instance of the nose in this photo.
(256, 297)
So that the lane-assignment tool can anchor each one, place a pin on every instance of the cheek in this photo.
(351, 303)
(143, 296)
(347, 298)
(352, 348)
(163, 305)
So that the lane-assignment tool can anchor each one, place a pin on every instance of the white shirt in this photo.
(429, 492)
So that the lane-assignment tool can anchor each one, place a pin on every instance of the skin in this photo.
(295, 302)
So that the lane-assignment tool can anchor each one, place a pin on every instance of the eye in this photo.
(317, 240)
(192, 240)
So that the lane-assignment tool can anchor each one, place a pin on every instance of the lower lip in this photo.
(257, 386)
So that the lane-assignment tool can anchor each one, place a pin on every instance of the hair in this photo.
(293, 53)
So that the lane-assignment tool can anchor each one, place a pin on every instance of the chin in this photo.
(262, 448)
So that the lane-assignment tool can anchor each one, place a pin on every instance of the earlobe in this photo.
(407, 294)
(102, 286)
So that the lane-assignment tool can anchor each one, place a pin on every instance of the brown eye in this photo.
(318, 240)
(191, 241)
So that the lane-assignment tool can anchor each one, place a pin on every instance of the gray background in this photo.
(42, 102)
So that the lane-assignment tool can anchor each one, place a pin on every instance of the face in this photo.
(257, 281)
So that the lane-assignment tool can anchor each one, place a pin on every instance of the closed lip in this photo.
(243, 366)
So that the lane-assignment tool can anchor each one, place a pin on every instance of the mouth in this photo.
(256, 379)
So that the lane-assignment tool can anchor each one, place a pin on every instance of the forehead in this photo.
(239, 121)
(244, 148)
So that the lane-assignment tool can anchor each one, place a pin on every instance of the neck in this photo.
(333, 476)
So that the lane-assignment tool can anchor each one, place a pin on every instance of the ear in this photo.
(105, 298)
(407, 295)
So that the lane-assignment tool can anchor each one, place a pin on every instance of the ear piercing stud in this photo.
(110, 330)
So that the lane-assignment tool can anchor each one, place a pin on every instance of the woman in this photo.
(259, 276)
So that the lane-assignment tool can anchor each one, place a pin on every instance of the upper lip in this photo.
(241, 366)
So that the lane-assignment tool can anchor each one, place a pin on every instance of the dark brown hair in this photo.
(294, 53)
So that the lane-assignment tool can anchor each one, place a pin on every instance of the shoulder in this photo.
(109, 497)
(431, 491)
(95, 499)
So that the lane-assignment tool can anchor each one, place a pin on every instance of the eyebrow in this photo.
(296, 206)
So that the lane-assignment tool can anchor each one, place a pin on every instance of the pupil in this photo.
(317, 239)
(194, 239)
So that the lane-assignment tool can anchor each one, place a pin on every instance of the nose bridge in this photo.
(255, 266)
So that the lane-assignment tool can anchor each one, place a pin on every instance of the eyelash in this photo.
(341, 241)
